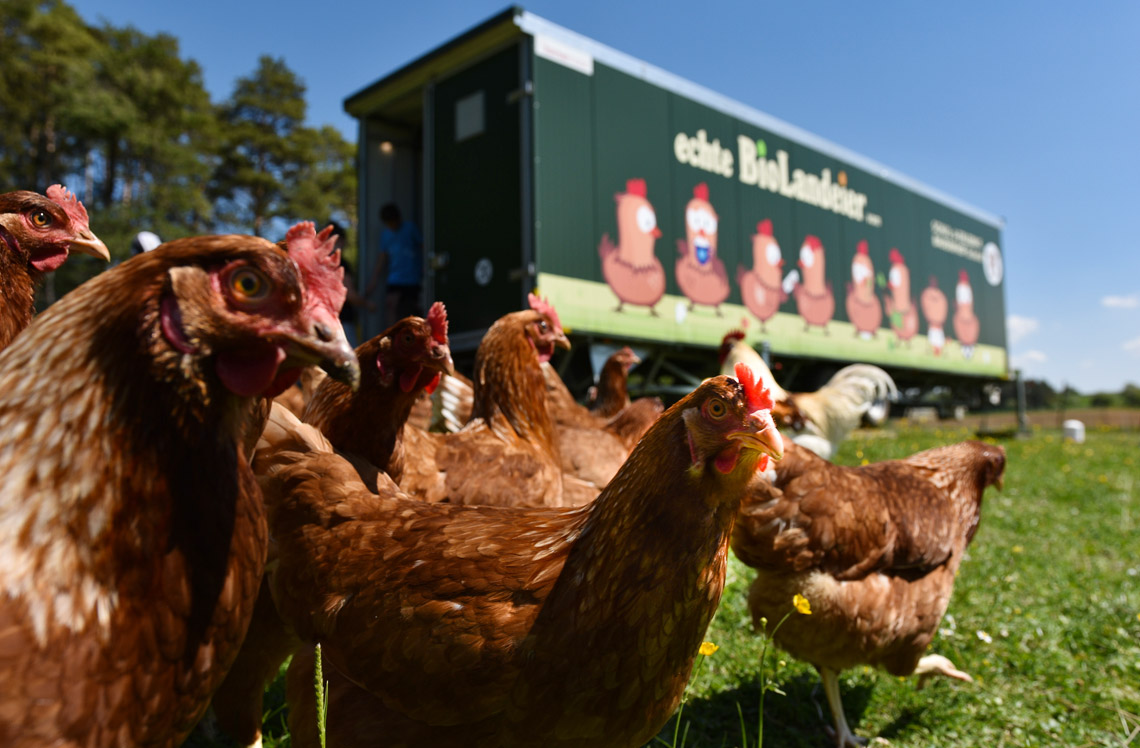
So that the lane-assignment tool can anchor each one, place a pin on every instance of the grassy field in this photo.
(1045, 616)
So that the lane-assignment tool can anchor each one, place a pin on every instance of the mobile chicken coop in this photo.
(656, 213)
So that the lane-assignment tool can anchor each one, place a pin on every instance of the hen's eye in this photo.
(542, 325)
(249, 284)
(408, 338)
(717, 408)
(41, 219)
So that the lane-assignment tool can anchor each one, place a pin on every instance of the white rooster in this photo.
(822, 419)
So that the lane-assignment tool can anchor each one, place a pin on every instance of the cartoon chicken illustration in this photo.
(863, 308)
(902, 313)
(760, 286)
(700, 273)
(934, 308)
(630, 267)
(966, 325)
(814, 300)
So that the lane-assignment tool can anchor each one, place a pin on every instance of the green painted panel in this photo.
(564, 170)
(628, 176)
(478, 213)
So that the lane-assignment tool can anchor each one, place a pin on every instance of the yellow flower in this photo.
(1017, 549)
(802, 604)
(708, 649)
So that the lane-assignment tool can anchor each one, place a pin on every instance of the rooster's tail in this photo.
(836, 409)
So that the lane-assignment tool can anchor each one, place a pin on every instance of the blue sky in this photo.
(1028, 110)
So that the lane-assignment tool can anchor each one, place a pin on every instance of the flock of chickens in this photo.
(177, 518)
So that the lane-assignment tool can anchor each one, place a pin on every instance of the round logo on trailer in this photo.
(484, 270)
(992, 264)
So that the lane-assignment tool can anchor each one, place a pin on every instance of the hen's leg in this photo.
(844, 738)
(932, 665)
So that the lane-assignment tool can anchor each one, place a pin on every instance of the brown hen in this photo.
(628, 421)
(36, 234)
(368, 422)
(132, 532)
(874, 549)
(612, 391)
(406, 359)
(490, 626)
(507, 455)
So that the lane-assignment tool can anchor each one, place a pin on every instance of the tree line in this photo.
(125, 121)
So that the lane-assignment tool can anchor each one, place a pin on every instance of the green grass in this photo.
(1052, 579)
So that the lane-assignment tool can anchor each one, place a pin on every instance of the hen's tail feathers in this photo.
(284, 431)
(835, 409)
(456, 397)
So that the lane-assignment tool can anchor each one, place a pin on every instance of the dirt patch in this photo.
(1127, 419)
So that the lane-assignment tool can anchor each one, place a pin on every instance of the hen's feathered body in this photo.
(132, 544)
(481, 626)
(367, 422)
(874, 549)
(612, 391)
(508, 453)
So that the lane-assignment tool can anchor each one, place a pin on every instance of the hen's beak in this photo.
(760, 433)
(327, 347)
(562, 341)
(438, 358)
(89, 244)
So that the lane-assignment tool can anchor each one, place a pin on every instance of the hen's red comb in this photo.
(437, 318)
(701, 191)
(319, 260)
(545, 307)
(755, 394)
(65, 199)
(732, 335)
(895, 257)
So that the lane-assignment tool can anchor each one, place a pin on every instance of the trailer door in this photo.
(476, 213)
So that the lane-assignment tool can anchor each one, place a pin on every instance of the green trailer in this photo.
(657, 213)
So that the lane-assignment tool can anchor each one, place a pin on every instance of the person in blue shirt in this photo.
(401, 262)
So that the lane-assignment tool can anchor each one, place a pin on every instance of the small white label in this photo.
(991, 263)
(563, 54)
(483, 271)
